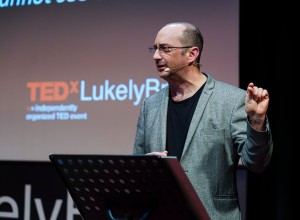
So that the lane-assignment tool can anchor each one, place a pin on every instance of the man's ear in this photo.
(194, 53)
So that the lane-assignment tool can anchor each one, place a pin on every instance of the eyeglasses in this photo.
(164, 48)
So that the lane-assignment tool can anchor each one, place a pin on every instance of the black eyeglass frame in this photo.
(165, 48)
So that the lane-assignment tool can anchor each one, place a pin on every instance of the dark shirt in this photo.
(178, 122)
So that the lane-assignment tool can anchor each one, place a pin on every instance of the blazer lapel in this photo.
(163, 118)
(206, 93)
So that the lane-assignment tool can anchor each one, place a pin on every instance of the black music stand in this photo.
(129, 187)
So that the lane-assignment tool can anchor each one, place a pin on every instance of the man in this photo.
(209, 125)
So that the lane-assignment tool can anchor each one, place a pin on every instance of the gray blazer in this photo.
(219, 135)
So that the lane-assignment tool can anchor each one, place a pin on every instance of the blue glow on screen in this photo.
(18, 3)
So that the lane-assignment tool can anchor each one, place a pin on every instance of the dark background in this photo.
(266, 47)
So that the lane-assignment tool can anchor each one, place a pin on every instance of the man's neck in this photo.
(187, 88)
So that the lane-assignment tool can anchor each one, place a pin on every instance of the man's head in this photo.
(176, 46)
(190, 35)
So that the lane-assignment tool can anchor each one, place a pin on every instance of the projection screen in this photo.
(73, 73)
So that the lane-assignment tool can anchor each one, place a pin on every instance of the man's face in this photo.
(166, 54)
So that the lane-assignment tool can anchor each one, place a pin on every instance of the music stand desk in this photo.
(128, 187)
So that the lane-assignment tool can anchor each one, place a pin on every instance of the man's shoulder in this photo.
(222, 87)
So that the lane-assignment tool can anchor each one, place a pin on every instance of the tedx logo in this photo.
(52, 91)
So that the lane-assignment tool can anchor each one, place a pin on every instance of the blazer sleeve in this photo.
(139, 143)
(255, 149)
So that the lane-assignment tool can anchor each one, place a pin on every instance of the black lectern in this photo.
(129, 187)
